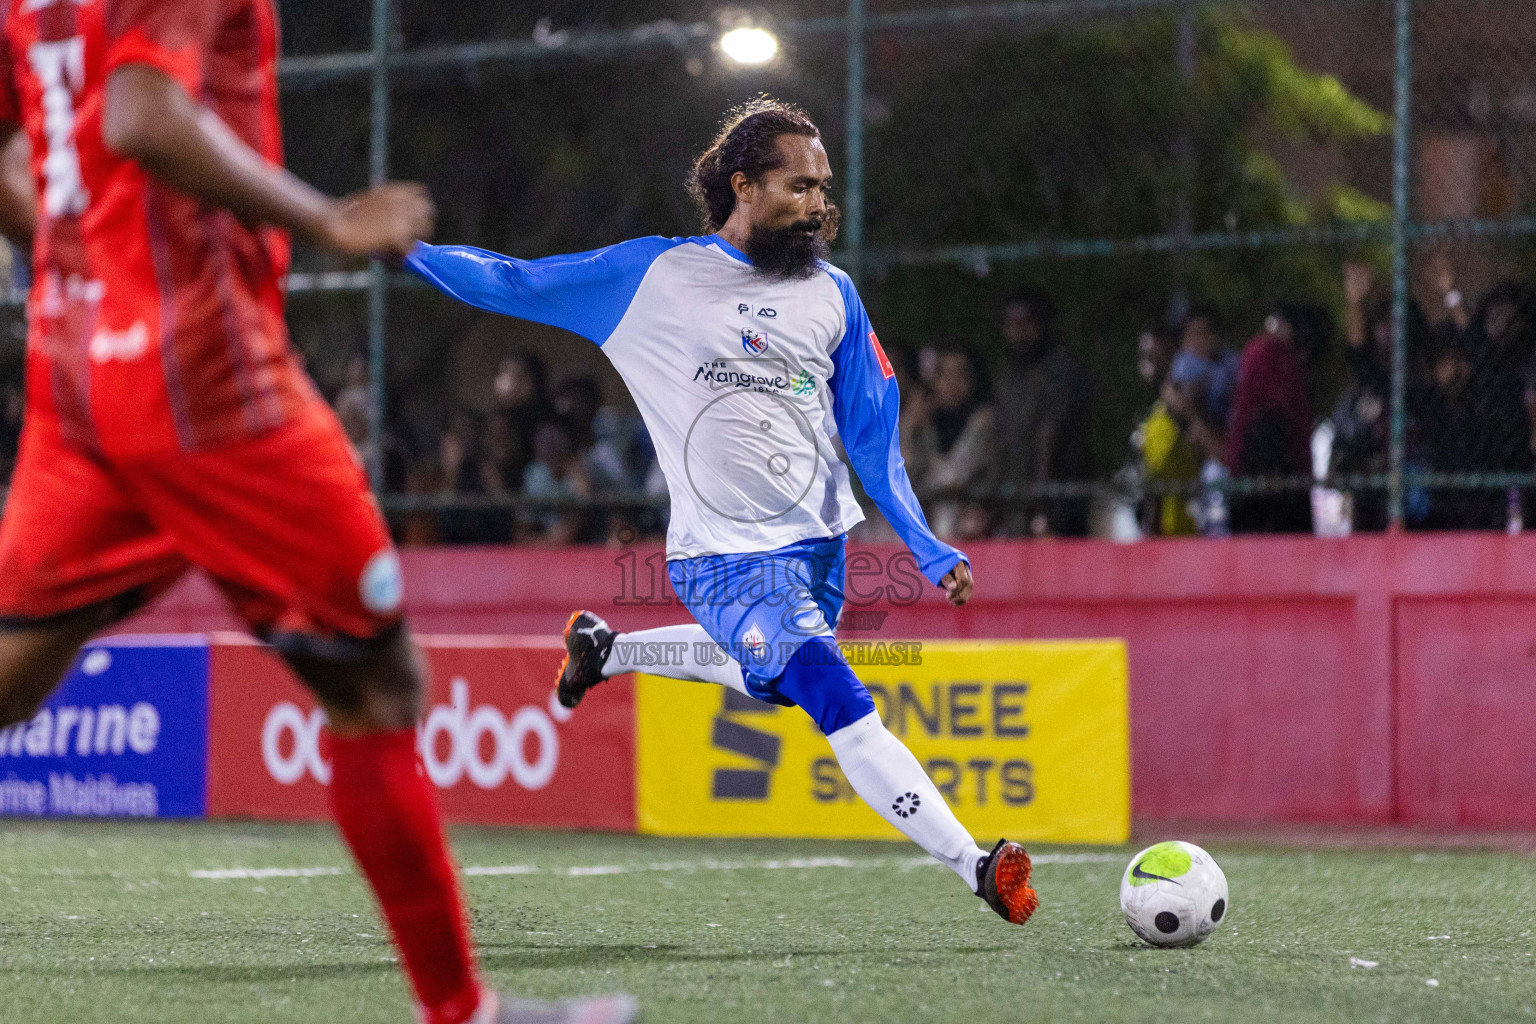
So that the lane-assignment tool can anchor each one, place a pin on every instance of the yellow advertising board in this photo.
(1028, 740)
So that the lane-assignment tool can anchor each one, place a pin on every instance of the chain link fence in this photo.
(1147, 267)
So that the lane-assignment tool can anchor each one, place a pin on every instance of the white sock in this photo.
(886, 775)
(677, 652)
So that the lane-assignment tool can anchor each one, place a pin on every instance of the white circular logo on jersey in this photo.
(381, 586)
(96, 662)
(750, 456)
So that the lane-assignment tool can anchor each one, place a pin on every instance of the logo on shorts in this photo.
(381, 587)
(754, 343)
(753, 640)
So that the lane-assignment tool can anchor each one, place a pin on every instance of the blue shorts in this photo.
(761, 607)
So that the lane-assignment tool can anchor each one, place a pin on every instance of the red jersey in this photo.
(155, 319)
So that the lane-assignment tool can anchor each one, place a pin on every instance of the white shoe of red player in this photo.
(611, 1009)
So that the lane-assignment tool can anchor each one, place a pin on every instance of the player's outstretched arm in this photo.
(150, 118)
(585, 292)
(18, 192)
(867, 408)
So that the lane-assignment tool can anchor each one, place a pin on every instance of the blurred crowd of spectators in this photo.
(1221, 412)
(542, 464)
(977, 445)
(1001, 448)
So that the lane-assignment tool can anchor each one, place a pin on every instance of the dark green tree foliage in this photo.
(1090, 131)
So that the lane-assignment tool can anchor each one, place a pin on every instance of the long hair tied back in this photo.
(746, 142)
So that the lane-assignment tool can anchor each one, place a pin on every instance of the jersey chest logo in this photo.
(754, 343)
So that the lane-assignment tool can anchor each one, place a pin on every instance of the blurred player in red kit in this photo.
(169, 424)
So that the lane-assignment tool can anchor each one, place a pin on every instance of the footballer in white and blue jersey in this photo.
(750, 356)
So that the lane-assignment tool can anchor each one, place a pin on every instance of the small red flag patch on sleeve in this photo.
(885, 364)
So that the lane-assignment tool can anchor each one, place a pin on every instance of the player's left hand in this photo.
(385, 220)
(957, 584)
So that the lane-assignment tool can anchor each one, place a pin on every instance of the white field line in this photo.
(504, 869)
(595, 870)
(230, 874)
(792, 864)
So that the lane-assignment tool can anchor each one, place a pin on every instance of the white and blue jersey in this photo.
(744, 382)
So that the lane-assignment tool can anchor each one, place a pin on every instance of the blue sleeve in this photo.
(867, 407)
(586, 292)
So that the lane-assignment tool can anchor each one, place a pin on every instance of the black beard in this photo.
(792, 253)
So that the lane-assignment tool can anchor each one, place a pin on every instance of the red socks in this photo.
(387, 809)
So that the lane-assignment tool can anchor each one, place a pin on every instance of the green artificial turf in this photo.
(105, 923)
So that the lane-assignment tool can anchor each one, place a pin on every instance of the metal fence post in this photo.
(1185, 57)
(853, 214)
(1402, 156)
(378, 282)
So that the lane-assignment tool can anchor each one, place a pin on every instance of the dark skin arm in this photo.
(18, 195)
(149, 118)
(957, 584)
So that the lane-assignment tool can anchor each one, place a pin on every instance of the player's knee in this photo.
(819, 679)
(35, 657)
(18, 701)
(367, 685)
(17, 704)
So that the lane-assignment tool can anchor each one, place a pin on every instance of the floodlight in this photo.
(749, 45)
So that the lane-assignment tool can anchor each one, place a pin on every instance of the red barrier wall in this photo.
(498, 748)
(1272, 679)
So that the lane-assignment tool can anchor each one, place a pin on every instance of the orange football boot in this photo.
(1002, 880)
(587, 643)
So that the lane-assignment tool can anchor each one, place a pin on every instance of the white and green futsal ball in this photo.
(1173, 894)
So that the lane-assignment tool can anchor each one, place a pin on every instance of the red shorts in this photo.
(283, 522)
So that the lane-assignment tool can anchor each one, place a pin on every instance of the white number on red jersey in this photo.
(60, 68)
